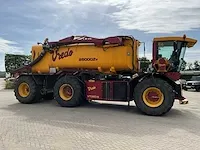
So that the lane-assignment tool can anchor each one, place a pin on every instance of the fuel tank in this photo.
(108, 58)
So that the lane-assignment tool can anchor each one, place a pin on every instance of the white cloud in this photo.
(10, 47)
(194, 51)
(151, 16)
(192, 55)
(2, 64)
(63, 2)
(7, 46)
(155, 16)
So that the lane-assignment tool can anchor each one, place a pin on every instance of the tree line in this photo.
(193, 66)
(13, 61)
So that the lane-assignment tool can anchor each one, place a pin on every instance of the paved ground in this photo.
(97, 126)
(2, 83)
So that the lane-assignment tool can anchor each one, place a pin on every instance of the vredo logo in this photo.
(57, 56)
(91, 88)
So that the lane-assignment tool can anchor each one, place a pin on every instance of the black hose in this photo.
(37, 59)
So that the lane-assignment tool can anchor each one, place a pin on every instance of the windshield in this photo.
(174, 51)
(195, 78)
(165, 49)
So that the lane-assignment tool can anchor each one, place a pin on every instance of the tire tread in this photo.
(167, 104)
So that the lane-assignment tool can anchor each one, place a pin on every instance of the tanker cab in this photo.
(170, 51)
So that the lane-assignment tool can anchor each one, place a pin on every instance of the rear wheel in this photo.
(68, 92)
(198, 89)
(26, 90)
(154, 98)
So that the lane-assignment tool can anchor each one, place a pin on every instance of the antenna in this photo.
(144, 48)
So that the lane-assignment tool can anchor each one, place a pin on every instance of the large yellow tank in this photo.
(106, 58)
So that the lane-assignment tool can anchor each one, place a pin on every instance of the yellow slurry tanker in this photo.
(79, 69)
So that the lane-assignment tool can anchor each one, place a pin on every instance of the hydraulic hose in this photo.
(25, 67)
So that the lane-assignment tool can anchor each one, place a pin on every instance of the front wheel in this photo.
(68, 92)
(154, 96)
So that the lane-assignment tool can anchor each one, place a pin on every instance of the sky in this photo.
(24, 23)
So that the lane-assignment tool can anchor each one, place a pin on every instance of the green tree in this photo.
(196, 65)
(183, 65)
(189, 66)
(13, 62)
(144, 63)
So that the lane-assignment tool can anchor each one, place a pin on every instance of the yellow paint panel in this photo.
(43, 65)
(108, 58)
(191, 42)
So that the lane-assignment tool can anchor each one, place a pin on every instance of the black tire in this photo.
(77, 96)
(198, 89)
(166, 90)
(185, 89)
(34, 90)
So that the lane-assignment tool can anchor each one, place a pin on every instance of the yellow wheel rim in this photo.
(153, 97)
(24, 90)
(66, 92)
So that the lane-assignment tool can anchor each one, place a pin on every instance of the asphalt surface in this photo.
(97, 126)
(2, 83)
